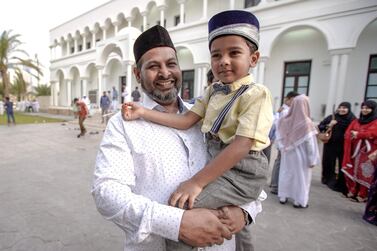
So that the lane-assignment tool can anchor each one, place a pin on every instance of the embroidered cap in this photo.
(234, 22)
(157, 36)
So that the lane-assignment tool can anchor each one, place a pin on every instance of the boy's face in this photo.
(231, 58)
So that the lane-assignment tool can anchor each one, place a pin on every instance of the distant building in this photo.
(325, 49)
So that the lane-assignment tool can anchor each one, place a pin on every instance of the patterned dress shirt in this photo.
(138, 166)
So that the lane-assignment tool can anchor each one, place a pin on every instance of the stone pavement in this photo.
(46, 205)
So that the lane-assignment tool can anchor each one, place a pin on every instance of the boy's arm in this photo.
(132, 111)
(178, 121)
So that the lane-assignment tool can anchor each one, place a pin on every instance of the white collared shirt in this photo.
(138, 166)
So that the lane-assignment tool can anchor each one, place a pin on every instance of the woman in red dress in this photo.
(360, 141)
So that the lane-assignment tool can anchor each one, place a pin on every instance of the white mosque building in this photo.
(326, 49)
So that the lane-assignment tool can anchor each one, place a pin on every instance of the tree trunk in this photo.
(5, 77)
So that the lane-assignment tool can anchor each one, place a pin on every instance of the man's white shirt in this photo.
(138, 166)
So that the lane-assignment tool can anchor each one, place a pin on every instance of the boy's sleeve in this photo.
(201, 103)
(255, 114)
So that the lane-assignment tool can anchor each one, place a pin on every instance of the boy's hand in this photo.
(131, 111)
(186, 191)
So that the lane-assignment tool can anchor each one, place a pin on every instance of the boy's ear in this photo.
(137, 73)
(254, 58)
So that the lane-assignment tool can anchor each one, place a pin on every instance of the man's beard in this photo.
(163, 98)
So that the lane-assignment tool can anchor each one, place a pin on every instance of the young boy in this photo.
(236, 132)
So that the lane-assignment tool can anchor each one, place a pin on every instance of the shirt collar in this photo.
(248, 79)
(153, 105)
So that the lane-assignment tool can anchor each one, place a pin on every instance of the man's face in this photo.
(160, 75)
(231, 58)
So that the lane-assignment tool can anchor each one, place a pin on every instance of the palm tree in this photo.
(43, 90)
(9, 49)
(19, 86)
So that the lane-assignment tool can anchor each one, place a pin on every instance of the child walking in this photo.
(237, 117)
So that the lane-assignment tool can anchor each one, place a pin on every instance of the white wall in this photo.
(303, 44)
(358, 66)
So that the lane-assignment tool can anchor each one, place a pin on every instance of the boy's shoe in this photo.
(283, 200)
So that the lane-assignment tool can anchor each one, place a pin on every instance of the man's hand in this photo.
(233, 217)
(186, 191)
(201, 227)
(132, 111)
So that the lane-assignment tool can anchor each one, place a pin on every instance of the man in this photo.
(282, 112)
(82, 113)
(9, 110)
(136, 95)
(115, 99)
(140, 164)
(105, 105)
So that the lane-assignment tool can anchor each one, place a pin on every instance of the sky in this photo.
(32, 19)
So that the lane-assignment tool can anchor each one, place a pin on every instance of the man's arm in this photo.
(136, 214)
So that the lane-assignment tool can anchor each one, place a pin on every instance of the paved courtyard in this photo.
(45, 201)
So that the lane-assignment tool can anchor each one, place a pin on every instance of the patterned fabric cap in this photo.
(234, 22)
(157, 36)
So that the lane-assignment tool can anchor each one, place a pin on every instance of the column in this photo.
(198, 84)
(200, 78)
(129, 21)
(84, 42)
(128, 64)
(144, 15)
(162, 9)
(104, 35)
(93, 39)
(203, 79)
(100, 70)
(116, 27)
(84, 86)
(52, 96)
(339, 64)
(342, 76)
(75, 42)
(181, 11)
(69, 91)
(205, 6)
(231, 4)
(261, 70)
(68, 47)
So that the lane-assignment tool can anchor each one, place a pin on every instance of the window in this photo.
(80, 47)
(177, 20)
(159, 23)
(371, 89)
(296, 77)
(187, 90)
(72, 49)
(251, 3)
(88, 45)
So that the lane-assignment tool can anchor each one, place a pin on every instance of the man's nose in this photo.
(164, 71)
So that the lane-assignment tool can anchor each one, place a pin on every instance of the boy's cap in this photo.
(157, 36)
(234, 22)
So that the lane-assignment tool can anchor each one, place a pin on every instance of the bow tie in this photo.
(217, 87)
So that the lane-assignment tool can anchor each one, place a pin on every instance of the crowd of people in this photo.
(349, 158)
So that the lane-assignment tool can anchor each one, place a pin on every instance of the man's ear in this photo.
(137, 73)
(254, 58)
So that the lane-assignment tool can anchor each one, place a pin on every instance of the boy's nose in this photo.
(224, 61)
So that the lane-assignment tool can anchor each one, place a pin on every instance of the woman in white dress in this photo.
(297, 142)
